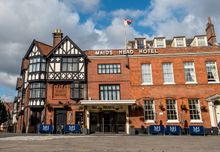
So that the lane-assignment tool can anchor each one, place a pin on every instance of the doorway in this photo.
(107, 122)
(60, 118)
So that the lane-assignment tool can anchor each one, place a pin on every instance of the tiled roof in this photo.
(44, 48)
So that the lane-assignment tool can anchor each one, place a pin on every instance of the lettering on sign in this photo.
(125, 52)
(60, 91)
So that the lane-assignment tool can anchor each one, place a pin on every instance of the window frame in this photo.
(153, 110)
(103, 92)
(140, 45)
(194, 72)
(198, 111)
(171, 65)
(146, 74)
(116, 68)
(80, 90)
(68, 63)
(37, 62)
(216, 70)
(34, 90)
(176, 111)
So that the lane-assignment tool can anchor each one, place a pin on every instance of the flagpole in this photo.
(127, 65)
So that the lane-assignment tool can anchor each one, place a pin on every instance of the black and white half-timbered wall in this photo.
(52, 82)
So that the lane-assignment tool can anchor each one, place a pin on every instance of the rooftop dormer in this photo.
(140, 43)
(159, 42)
(199, 40)
(179, 41)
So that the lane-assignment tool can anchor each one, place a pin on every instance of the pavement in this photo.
(109, 143)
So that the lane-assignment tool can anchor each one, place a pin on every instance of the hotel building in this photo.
(152, 82)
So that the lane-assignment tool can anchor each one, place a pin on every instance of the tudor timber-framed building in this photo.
(151, 82)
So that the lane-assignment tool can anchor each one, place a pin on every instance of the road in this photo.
(110, 143)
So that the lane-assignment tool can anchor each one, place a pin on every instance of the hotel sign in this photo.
(125, 52)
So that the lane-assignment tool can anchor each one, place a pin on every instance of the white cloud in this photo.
(124, 13)
(181, 17)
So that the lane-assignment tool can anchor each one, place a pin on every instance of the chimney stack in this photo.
(57, 36)
(210, 32)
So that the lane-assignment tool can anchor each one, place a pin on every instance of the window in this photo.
(146, 73)
(149, 110)
(201, 41)
(140, 43)
(180, 42)
(70, 64)
(109, 92)
(37, 64)
(171, 109)
(160, 43)
(194, 109)
(77, 91)
(168, 73)
(212, 73)
(109, 68)
(189, 72)
(37, 90)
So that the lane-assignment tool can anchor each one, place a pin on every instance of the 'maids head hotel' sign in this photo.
(125, 52)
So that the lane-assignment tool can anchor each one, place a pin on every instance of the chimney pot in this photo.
(57, 36)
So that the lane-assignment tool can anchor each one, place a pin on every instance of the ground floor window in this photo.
(194, 109)
(171, 109)
(149, 110)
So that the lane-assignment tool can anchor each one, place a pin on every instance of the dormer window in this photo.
(180, 42)
(140, 43)
(37, 64)
(159, 43)
(202, 41)
(199, 41)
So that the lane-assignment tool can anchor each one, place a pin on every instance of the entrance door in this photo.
(59, 120)
(108, 121)
(217, 105)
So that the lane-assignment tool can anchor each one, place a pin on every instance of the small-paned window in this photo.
(37, 64)
(77, 91)
(201, 41)
(189, 72)
(140, 43)
(146, 74)
(179, 42)
(194, 109)
(109, 92)
(212, 72)
(37, 90)
(109, 68)
(168, 73)
(70, 64)
(171, 109)
(149, 110)
(160, 43)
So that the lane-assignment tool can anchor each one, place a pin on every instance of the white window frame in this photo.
(199, 111)
(194, 73)
(156, 43)
(171, 65)
(216, 70)
(176, 109)
(149, 121)
(146, 74)
(204, 41)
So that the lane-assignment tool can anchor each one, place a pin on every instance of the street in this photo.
(109, 143)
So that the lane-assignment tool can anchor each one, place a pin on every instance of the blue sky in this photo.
(93, 24)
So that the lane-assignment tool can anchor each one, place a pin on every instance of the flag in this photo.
(127, 22)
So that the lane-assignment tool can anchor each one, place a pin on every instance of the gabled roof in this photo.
(43, 48)
(63, 40)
